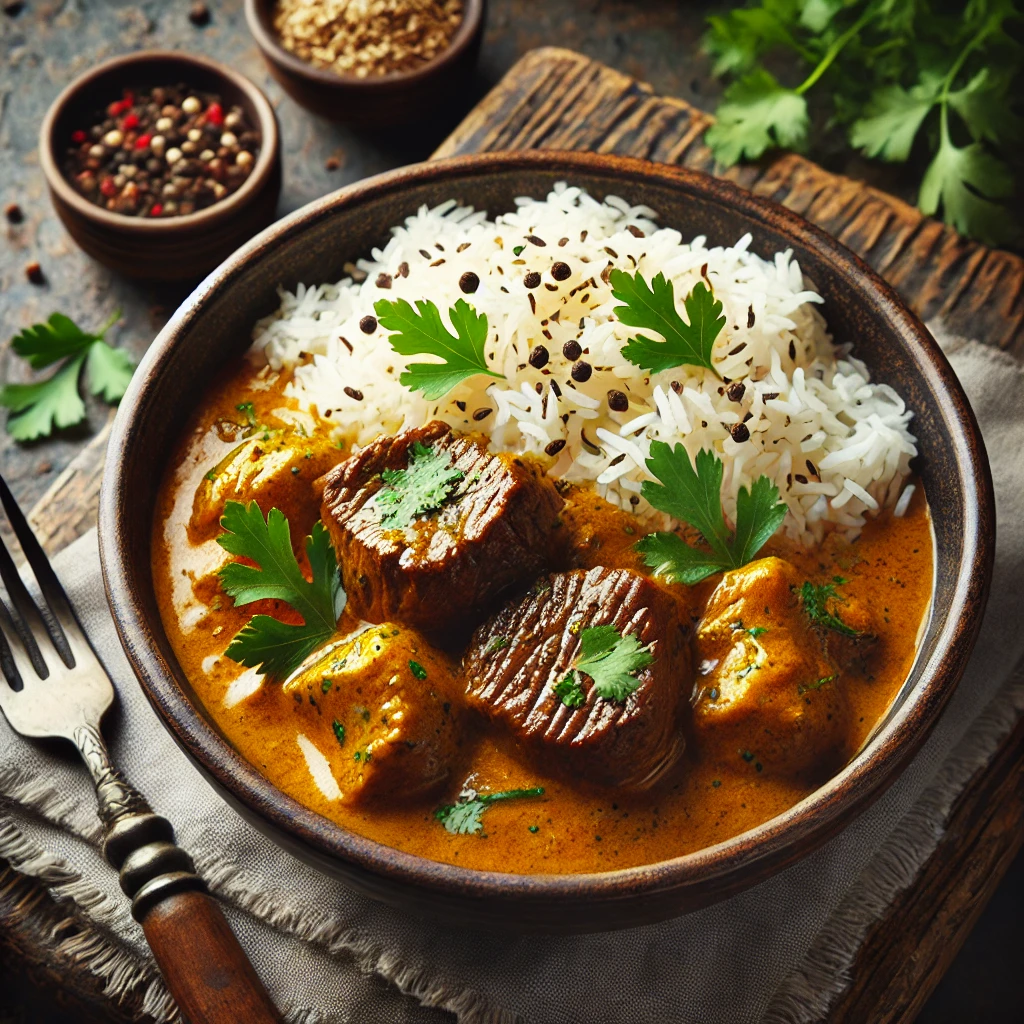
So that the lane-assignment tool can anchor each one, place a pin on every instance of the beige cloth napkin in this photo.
(775, 953)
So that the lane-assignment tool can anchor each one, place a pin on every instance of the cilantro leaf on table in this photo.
(611, 660)
(463, 817)
(819, 601)
(423, 486)
(422, 332)
(653, 308)
(691, 493)
(40, 407)
(757, 114)
(278, 648)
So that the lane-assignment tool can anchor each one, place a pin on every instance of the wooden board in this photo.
(557, 99)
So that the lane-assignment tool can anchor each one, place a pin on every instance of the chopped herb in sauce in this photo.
(417, 670)
(819, 601)
(463, 817)
(339, 732)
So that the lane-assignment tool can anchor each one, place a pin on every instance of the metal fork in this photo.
(58, 688)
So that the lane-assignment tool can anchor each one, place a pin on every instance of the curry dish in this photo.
(510, 685)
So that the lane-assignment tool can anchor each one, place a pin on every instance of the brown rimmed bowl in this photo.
(377, 101)
(174, 248)
(213, 328)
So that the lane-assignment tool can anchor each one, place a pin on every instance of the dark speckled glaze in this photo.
(214, 326)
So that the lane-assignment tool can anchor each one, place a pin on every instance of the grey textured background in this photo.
(50, 42)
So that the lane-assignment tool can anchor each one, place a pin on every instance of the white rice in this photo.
(836, 445)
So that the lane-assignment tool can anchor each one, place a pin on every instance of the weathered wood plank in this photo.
(557, 99)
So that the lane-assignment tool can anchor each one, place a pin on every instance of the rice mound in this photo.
(836, 445)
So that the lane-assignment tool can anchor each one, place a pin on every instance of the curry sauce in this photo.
(730, 778)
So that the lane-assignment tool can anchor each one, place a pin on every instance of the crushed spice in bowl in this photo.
(367, 37)
(164, 151)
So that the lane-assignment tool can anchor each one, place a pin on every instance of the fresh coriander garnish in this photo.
(819, 600)
(417, 670)
(423, 333)
(807, 687)
(248, 410)
(611, 660)
(265, 643)
(569, 691)
(496, 643)
(423, 486)
(339, 732)
(653, 308)
(692, 494)
(39, 408)
(463, 818)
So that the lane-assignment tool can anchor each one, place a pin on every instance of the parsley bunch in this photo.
(266, 643)
(938, 80)
(692, 494)
(39, 408)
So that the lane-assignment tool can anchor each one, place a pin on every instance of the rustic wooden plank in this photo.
(557, 99)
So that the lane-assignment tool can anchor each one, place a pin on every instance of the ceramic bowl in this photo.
(176, 248)
(400, 98)
(213, 328)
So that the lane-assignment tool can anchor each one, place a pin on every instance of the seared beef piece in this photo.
(441, 573)
(518, 657)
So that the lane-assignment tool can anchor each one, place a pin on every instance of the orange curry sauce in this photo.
(717, 790)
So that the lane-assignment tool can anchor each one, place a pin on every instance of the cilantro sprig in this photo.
(936, 84)
(611, 660)
(421, 331)
(463, 818)
(653, 308)
(819, 601)
(691, 493)
(39, 408)
(278, 648)
(423, 486)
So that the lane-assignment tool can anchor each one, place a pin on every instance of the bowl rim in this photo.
(721, 869)
(219, 211)
(267, 41)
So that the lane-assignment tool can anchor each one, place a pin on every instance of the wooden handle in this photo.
(204, 967)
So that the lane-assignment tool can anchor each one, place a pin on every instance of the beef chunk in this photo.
(767, 685)
(381, 709)
(493, 528)
(518, 658)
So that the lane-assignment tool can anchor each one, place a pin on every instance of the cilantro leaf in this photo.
(691, 493)
(817, 599)
(569, 691)
(463, 817)
(424, 333)
(757, 114)
(265, 643)
(424, 486)
(893, 117)
(653, 308)
(611, 660)
(43, 406)
(983, 106)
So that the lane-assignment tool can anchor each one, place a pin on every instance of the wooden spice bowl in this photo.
(177, 248)
(400, 97)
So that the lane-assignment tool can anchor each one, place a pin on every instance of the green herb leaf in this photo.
(265, 643)
(893, 117)
(757, 114)
(43, 406)
(653, 308)
(422, 332)
(569, 692)
(339, 732)
(984, 106)
(423, 486)
(692, 494)
(819, 602)
(417, 670)
(611, 660)
(463, 818)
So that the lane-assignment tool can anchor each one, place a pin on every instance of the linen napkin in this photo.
(775, 953)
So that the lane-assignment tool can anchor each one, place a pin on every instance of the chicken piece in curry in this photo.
(509, 685)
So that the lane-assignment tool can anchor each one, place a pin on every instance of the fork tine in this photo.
(7, 665)
(21, 610)
(49, 586)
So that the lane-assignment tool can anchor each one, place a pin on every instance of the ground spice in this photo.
(367, 38)
(163, 152)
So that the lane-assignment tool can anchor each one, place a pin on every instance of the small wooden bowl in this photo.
(175, 248)
(374, 102)
(214, 328)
